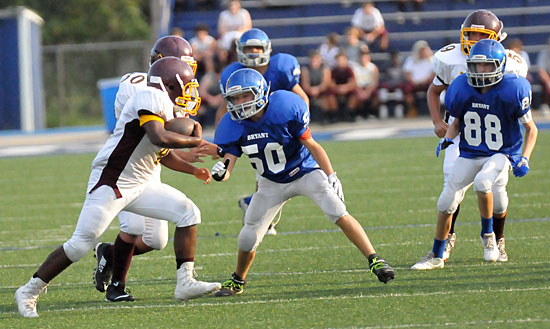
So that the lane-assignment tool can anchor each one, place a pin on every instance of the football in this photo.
(182, 126)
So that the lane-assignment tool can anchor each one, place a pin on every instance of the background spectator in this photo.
(543, 64)
(418, 73)
(393, 87)
(517, 46)
(366, 75)
(342, 101)
(232, 23)
(316, 83)
(353, 46)
(209, 90)
(329, 49)
(204, 48)
(369, 20)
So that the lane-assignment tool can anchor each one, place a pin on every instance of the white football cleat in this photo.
(449, 246)
(27, 297)
(271, 230)
(502, 255)
(188, 288)
(490, 250)
(429, 262)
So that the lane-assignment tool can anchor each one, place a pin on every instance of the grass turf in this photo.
(309, 276)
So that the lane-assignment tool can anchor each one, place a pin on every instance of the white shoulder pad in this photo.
(130, 83)
(515, 63)
(449, 62)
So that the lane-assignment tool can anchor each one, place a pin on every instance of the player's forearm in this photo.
(322, 159)
(174, 140)
(531, 133)
(434, 104)
(176, 163)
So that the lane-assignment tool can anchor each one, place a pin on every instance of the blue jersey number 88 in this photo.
(473, 130)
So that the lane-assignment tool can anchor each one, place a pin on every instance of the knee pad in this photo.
(191, 215)
(157, 238)
(449, 201)
(500, 202)
(482, 184)
(131, 223)
(76, 248)
(157, 242)
(249, 239)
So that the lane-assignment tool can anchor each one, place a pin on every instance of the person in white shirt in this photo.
(232, 23)
(369, 19)
(419, 73)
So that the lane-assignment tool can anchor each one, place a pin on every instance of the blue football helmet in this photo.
(242, 81)
(254, 38)
(486, 51)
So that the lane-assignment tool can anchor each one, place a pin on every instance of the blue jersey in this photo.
(283, 72)
(489, 122)
(272, 143)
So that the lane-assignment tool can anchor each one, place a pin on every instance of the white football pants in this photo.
(271, 196)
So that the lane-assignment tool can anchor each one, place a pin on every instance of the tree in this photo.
(78, 21)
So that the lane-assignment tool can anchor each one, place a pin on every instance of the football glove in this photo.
(335, 184)
(219, 170)
(443, 144)
(522, 167)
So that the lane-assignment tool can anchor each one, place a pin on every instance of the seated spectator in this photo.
(517, 46)
(209, 90)
(342, 100)
(232, 23)
(316, 83)
(419, 73)
(543, 64)
(204, 48)
(353, 46)
(393, 87)
(366, 75)
(369, 20)
(329, 49)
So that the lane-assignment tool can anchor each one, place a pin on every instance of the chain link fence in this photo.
(71, 73)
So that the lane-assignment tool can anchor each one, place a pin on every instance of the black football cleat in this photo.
(382, 270)
(104, 269)
(231, 287)
(116, 292)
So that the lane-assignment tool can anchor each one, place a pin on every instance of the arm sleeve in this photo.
(289, 71)
(300, 123)
(522, 104)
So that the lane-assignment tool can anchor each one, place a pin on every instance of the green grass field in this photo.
(309, 276)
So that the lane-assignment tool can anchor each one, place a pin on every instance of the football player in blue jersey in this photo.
(281, 71)
(273, 131)
(489, 108)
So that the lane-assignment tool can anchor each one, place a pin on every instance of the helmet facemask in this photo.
(467, 44)
(254, 59)
(484, 79)
(248, 109)
(189, 101)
